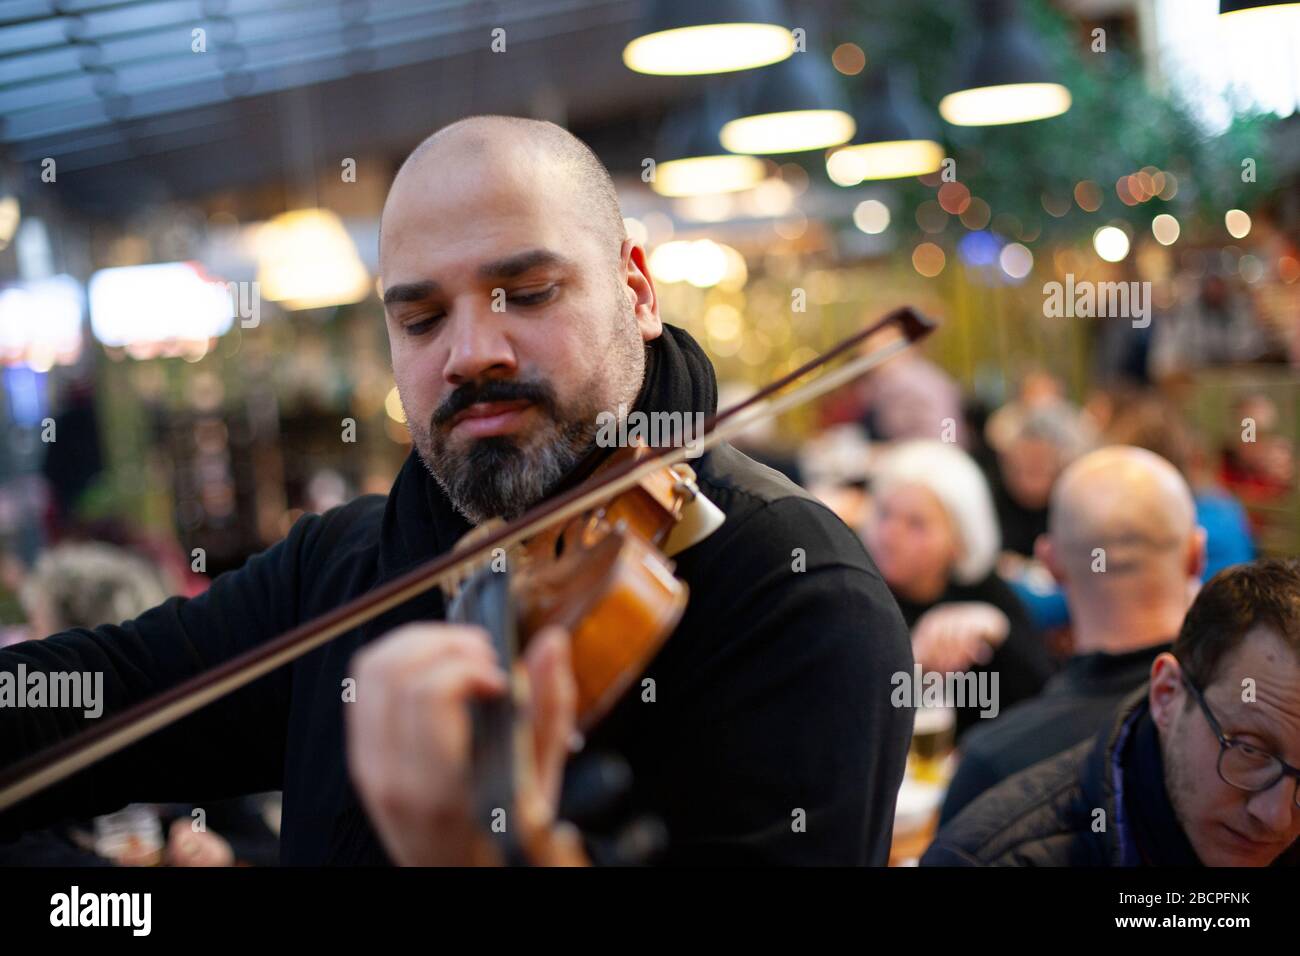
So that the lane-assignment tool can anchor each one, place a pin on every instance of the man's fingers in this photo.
(384, 669)
(408, 720)
(419, 644)
(554, 696)
(409, 734)
(432, 716)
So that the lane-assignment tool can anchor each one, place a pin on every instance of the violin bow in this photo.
(56, 763)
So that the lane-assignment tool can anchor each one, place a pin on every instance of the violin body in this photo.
(617, 598)
(603, 579)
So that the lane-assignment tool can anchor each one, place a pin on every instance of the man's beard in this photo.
(502, 476)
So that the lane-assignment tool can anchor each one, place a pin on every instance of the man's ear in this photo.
(1166, 690)
(1045, 552)
(645, 301)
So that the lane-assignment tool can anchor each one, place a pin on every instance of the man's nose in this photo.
(1275, 807)
(478, 344)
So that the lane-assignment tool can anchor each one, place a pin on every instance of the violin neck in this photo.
(484, 600)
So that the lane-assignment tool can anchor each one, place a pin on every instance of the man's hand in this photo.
(188, 847)
(409, 734)
(958, 636)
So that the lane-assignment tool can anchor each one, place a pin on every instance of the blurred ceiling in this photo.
(116, 94)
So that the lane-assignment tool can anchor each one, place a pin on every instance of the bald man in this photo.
(1124, 546)
(518, 313)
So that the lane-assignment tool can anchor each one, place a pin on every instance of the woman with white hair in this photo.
(934, 535)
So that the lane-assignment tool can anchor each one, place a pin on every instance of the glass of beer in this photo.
(933, 734)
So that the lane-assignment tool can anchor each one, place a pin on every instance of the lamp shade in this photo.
(682, 37)
(794, 106)
(690, 160)
(1004, 78)
(895, 135)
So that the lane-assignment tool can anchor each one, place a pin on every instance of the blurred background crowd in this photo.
(193, 350)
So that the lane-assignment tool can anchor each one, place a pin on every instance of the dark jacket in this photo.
(1101, 803)
(1021, 661)
(772, 696)
(1074, 706)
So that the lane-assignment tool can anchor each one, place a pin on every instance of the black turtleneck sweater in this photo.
(771, 738)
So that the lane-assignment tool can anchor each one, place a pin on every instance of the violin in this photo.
(595, 560)
(606, 581)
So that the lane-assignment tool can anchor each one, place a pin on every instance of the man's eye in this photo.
(533, 298)
(1253, 753)
(421, 327)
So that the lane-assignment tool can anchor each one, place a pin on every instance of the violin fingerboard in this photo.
(484, 600)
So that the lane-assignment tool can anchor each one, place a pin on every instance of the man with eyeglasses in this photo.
(1202, 766)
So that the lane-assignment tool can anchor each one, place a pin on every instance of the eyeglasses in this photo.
(1243, 765)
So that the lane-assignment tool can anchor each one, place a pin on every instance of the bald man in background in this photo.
(1124, 545)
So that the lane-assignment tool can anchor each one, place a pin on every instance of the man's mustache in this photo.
(539, 393)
